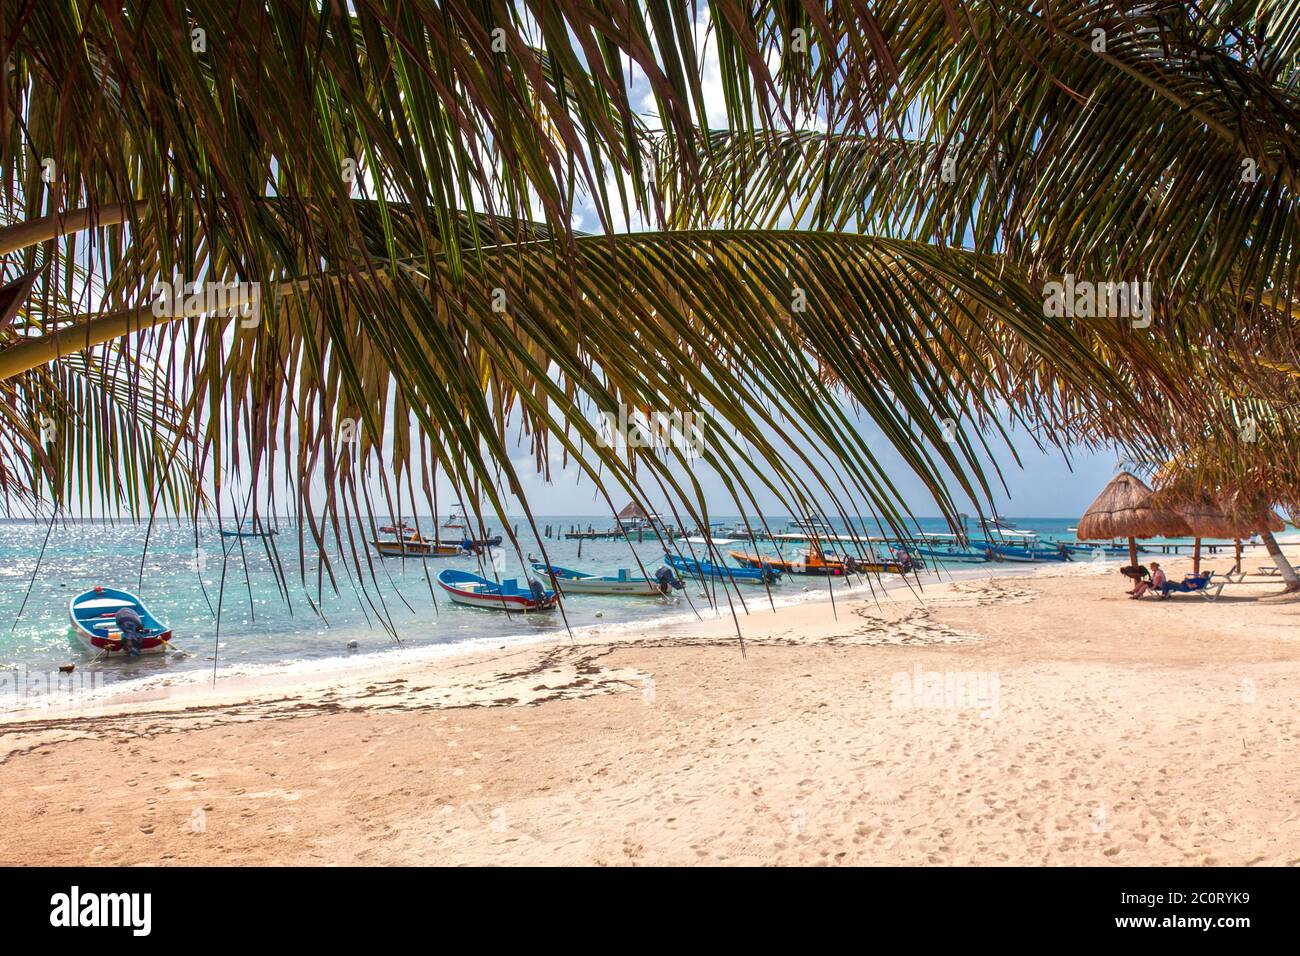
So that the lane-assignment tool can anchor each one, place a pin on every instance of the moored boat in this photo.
(807, 562)
(866, 566)
(473, 590)
(457, 528)
(707, 569)
(955, 554)
(409, 543)
(94, 621)
(624, 583)
(1031, 552)
(1092, 550)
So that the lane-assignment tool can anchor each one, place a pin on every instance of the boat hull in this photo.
(572, 582)
(92, 615)
(813, 565)
(416, 549)
(706, 570)
(614, 588)
(1027, 556)
(881, 567)
(960, 557)
(471, 590)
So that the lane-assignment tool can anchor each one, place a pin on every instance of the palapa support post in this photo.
(1132, 552)
(1196, 557)
(1237, 568)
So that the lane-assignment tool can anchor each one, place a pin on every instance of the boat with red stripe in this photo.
(473, 590)
(94, 620)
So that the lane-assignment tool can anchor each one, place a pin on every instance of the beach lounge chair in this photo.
(1230, 579)
(1199, 584)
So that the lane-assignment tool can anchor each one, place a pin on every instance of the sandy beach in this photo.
(1031, 719)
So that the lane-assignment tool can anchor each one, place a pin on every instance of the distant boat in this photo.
(225, 533)
(707, 569)
(953, 554)
(576, 582)
(456, 522)
(1030, 552)
(1110, 550)
(417, 549)
(473, 590)
(409, 543)
(995, 523)
(812, 528)
(457, 528)
(94, 613)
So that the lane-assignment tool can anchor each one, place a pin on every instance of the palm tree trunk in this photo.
(34, 231)
(35, 351)
(1275, 552)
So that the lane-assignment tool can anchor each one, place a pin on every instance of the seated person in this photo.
(1155, 584)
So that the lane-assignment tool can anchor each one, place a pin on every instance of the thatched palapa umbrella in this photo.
(1207, 520)
(1124, 509)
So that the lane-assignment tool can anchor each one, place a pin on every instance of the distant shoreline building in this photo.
(635, 518)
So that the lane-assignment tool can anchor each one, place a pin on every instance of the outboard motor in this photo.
(131, 627)
(668, 580)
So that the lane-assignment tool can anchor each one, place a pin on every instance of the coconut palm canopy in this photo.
(1125, 509)
(866, 224)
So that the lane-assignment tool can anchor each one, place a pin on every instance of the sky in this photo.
(1048, 485)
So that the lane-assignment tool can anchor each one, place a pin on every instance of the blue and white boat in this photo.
(624, 583)
(707, 569)
(1091, 550)
(248, 533)
(1027, 550)
(953, 554)
(473, 590)
(94, 621)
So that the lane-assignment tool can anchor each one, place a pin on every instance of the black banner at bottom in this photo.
(236, 906)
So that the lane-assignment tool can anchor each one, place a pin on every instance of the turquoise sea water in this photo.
(260, 626)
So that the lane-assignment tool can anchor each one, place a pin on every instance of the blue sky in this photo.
(1046, 486)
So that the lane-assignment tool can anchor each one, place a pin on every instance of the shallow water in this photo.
(245, 621)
